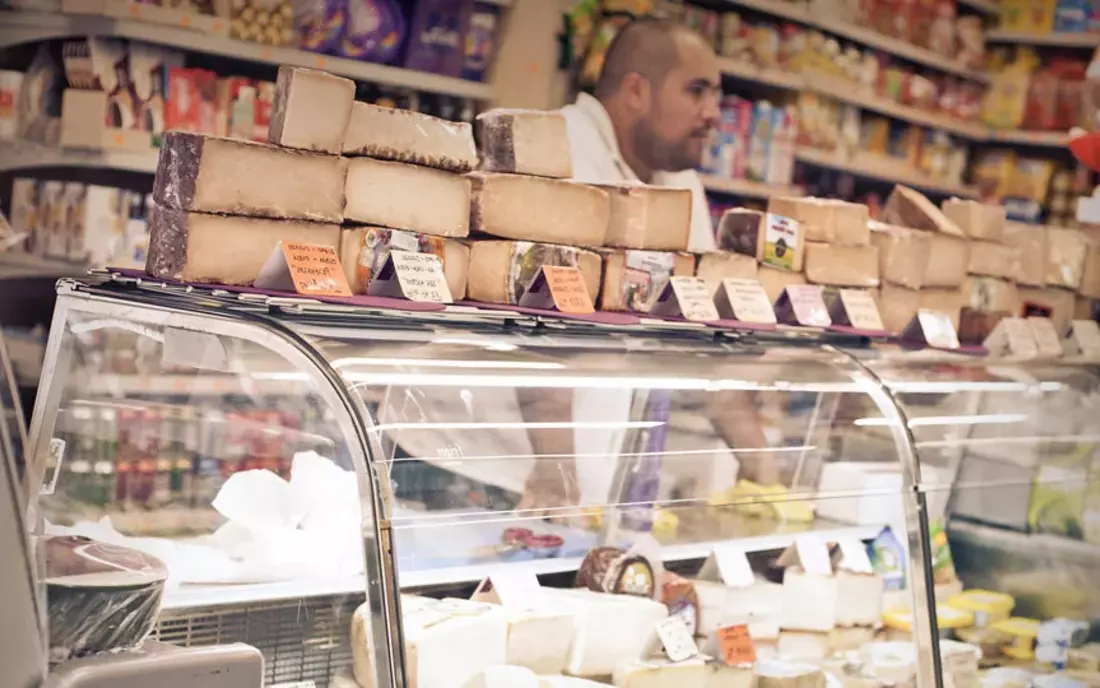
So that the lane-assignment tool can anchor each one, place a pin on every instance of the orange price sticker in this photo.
(217, 27)
(736, 646)
(320, 61)
(185, 21)
(316, 270)
(134, 9)
(116, 139)
(567, 288)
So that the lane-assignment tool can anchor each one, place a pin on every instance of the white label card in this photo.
(803, 304)
(733, 566)
(931, 328)
(687, 297)
(1084, 338)
(859, 310)
(1012, 337)
(677, 641)
(413, 276)
(1046, 337)
(853, 556)
(813, 554)
(744, 300)
(512, 589)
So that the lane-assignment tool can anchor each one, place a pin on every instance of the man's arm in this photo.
(552, 483)
(737, 421)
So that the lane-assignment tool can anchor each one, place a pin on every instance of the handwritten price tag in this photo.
(803, 304)
(931, 328)
(860, 310)
(1012, 336)
(677, 641)
(1085, 338)
(308, 269)
(414, 276)
(735, 645)
(568, 289)
(688, 297)
(744, 300)
(1046, 337)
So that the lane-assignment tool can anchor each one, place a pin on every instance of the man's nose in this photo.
(710, 110)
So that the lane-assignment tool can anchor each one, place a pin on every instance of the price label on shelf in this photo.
(1046, 337)
(517, 589)
(853, 556)
(803, 304)
(1084, 339)
(735, 645)
(744, 300)
(686, 297)
(859, 310)
(308, 269)
(560, 288)
(677, 641)
(813, 555)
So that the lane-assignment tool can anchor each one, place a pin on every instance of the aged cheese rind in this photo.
(993, 260)
(910, 208)
(525, 142)
(310, 110)
(719, 265)
(902, 254)
(842, 266)
(406, 136)
(615, 264)
(491, 278)
(222, 249)
(1031, 243)
(552, 211)
(984, 221)
(775, 281)
(948, 261)
(218, 175)
(455, 255)
(1066, 249)
(410, 197)
(774, 673)
(649, 218)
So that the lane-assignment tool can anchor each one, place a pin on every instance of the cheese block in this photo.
(539, 640)
(568, 682)
(504, 677)
(609, 629)
(826, 220)
(993, 260)
(1090, 272)
(690, 673)
(862, 599)
(991, 295)
(776, 673)
(910, 208)
(535, 209)
(406, 136)
(985, 221)
(805, 645)
(411, 197)
(1056, 304)
(500, 271)
(764, 236)
(760, 605)
(222, 249)
(903, 254)
(842, 266)
(719, 265)
(850, 638)
(949, 301)
(1066, 249)
(775, 281)
(634, 280)
(1030, 241)
(216, 175)
(948, 261)
(809, 601)
(364, 251)
(649, 218)
(524, 142)
(310, 110)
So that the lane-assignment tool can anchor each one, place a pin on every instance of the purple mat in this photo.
(846, 329)
(602, 317)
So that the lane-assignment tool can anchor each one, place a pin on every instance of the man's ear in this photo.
(636, 92)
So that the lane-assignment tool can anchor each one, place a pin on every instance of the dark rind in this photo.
(444, 163)
(178, 169)
(279, 104)
(477, 185)
(597, 564)
(168, 237)
(497, 143)
(740, 232)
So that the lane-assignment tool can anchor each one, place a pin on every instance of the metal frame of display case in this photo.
(278, 323)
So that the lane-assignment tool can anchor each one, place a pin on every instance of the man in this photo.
(655, 105)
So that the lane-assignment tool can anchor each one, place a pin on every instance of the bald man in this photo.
(655, 105)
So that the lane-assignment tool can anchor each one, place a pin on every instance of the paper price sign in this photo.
(1085, 338)
(735, 645)
(744, 300)
(803, 304)
(677, 641)
(558, 287)
(414, 276)
(308, 269)
(1046, 337)
(861, 311)
(688, 297)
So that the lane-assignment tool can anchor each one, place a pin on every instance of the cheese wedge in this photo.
(949, 301)
(539, 640)
(775, 281)
(657, 673)
(406, 136)
(500, 271)
(776, 673)
(809, 601)
(805, 646)
(216, 175)
(536, 209)
(568, 682)
(410, 197)
(862, 598)
(826, 219)
(991, 295)
(910, 208)
(222, 249)
(525, 142)
(634, 280)
(719, 265)
(897, 306)
(842, 266)
(648, 217)
(364, 250)
(310, 110)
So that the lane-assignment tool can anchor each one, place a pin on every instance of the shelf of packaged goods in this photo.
(886, 169)
(17, 265)
(25, 155)
(797, 12)
(772, 76)
(982, 6)
(25, 27)
(193, 596)
(1058, 40)
(746, 188)
(1051, 139)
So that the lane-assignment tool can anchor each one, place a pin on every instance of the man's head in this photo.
(660, 84)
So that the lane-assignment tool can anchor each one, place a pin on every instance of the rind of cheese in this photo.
(842, 266)
(910, 208)
(638, 673)
(310, 110)
(531, 142)
(539, 641)
(649, 218)
(614, 296)
(552, 211)
(222, 249)
(949, 301)
(1031, 244)
(903, 254)
(977, 220)
(363, 251)
(406, 136)
(719, 265)
(410, 197)
(500, 270)
(948, 261)
(825, 219)
(897, 306)
(991, 295)
(1066, 250)
(218, 175)
(775, 281)
(993, 260)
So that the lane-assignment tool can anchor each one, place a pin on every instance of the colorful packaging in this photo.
(321, 24)
(781, 158)
(375, 31)
(10, 83)
(528, 258)
(375, 247)
(480, 42)
(192, 101)
(888, 559)
(645, 274)
(436, 42)
(760, 141)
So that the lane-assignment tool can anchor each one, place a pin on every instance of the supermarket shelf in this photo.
(983, 6)
(16, 265)
(747, 188)
(1061, 40)
(25, 27)
(192, 596)
(781, 78)
(26, 155)
(1053, 139)
(877, 167)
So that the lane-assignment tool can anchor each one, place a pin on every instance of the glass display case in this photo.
(334, 484)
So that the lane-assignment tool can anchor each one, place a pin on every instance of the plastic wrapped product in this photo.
(375, 32)
(903, 254)
(842, 266)
(1066, 249)
(554, 211)
(99, 597)
(648, 218)
(719, 265)
(634, 280)
(1031, 244)
(525, 142)
(500, 271)
(364, 250)
(217, 175)
(410, 197)
(910, 208)
(977, 220)
(407, 136)
(993, 260)
(311, 110)
(610, 569)
(222, 249)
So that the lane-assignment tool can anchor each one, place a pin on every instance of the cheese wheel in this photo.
(525, 142)
(409, 197)
(500, 271)
(310, 110)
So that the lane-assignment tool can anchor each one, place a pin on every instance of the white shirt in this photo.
(597, 160)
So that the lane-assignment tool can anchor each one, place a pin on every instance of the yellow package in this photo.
(987, 607)
(1005, 100)
(1023, 632)
(993, 172)
(1031, 179)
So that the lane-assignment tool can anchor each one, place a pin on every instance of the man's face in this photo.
(682, 110)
